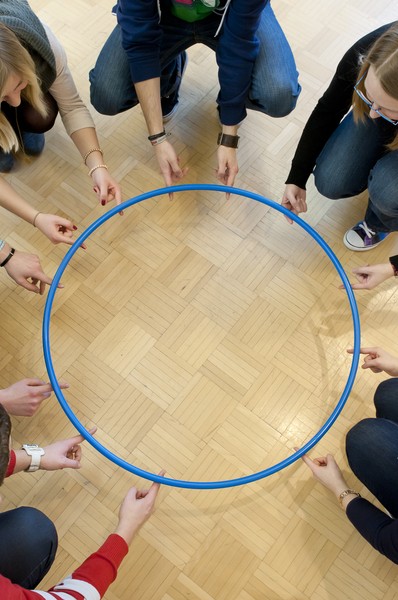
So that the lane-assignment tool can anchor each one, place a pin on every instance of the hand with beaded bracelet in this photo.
(326, 471)
(104, 185)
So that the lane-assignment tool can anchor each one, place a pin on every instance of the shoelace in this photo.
(366, 229)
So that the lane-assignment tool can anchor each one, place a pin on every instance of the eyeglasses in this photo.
(370, 104)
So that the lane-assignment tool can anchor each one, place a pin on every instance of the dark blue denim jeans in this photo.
(274, 88)
(355, 158)
(28, 543)
(372, 447)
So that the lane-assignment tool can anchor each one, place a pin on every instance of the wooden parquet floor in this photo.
(202, 335)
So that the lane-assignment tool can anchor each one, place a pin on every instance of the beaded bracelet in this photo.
(347, 493)
(91, 171)
(90, 152)
(7, 258)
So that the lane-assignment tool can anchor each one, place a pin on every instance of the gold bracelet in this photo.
(91, 171)
(35, 217)
(90, 152)
(347, 493)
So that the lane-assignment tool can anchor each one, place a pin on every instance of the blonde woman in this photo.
(349, 151)
(36, 84)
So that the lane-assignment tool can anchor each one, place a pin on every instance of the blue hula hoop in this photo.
(177, 482)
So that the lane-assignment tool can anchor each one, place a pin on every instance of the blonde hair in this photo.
(383, 58)
(15, 59)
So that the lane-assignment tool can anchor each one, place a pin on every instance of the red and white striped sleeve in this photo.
(89, 582)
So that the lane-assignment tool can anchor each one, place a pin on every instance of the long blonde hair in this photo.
(383, 57)
(15, 59)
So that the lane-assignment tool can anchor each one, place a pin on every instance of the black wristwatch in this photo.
(394, 263)
(230, 141)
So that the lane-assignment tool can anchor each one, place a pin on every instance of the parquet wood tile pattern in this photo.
(201, 335)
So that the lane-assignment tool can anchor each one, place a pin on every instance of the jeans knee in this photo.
(102, 98)
(326, 185)
(277, 105)
(28, 520)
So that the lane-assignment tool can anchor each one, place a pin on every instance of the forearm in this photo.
(86, 140)
(12, 201)
(148, 93)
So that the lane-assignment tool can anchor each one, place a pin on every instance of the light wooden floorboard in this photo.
(202, 335)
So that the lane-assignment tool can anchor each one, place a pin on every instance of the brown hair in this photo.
(383, 57)
(15, 59)
(5, 431)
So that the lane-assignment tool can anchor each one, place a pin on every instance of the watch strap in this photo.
(230, 141)
(35, 453)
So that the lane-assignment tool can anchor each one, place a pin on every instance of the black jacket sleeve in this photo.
(378, 528)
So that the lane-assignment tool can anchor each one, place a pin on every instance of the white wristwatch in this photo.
(35, 452)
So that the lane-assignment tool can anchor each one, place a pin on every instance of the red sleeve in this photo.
(99, 570)
(11, 463)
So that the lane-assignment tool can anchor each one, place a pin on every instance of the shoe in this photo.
(170, 103)
(361, 237)
(6, 161)
(32, 143)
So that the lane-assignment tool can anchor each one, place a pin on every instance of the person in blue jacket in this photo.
(144, 59)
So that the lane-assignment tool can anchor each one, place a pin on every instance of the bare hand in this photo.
(378, 360)
(23, 398)
(135, 509)
(370, 276)
(106, 188)
(294, 199)
(227, 165)
(26, 270)
(326, 470)
(57, 229)
(64, 454)
(169, 164)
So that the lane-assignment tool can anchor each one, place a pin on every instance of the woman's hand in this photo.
(106, 188)
(136, 508)
(57, 229)
(378, 360)
(23, 398)
(370, 276)
(326, 470)
(294, 199)
(64, 454)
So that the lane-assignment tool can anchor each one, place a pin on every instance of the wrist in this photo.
(346, 496)
(4, 252)
(34, 454)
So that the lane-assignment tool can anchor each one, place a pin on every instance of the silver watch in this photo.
(35, 452)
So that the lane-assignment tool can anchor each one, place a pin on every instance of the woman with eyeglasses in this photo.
(350, 142)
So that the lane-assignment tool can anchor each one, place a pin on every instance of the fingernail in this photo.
(103, 202)
(74, 227)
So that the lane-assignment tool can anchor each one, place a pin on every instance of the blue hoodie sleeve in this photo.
(380, 530)
(141, 37)
(236, 53)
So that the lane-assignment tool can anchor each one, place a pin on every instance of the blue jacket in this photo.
(237, 47)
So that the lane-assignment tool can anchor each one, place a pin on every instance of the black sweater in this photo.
(331, 108)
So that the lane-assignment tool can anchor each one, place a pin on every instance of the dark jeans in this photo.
(355, 158)
(274, 88)
(28, 543)
(372, 447)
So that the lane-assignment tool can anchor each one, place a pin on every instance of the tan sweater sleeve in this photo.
(74, 113)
